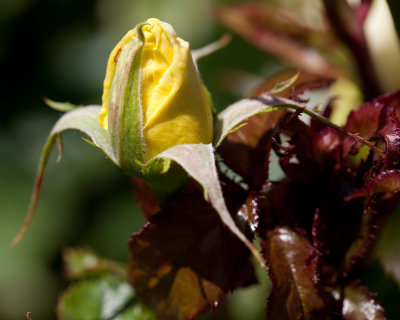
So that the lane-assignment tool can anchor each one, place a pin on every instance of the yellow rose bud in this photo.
(153, 97)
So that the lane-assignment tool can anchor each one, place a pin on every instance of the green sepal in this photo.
(84, 119)
(283, 85)
(155, 167)
(125, 113)
(60, 106)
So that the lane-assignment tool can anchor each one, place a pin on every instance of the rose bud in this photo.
(153, 96)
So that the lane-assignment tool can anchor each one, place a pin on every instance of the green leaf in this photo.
(100, 298)
(230, 119)
(86, 120)
(83, 119)
(137, 312)
(60, 106)
(199, 162)
(281, 86)
(83, 262)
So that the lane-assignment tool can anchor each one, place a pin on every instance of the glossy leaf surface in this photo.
(184, 260)
(293, 295)
(100, 298)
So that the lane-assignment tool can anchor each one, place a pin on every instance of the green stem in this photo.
(277, 102)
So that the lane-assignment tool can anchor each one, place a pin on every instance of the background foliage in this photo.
(58, 49)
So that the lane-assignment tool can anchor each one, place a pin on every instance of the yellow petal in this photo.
(174, 105)
(176, 108)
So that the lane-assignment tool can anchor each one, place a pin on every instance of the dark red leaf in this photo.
(378, 192)
(327, 145)
(387, 182)
(297, 161)
(337, 226)
(282, 33)
(184, 260)
(145, 198)
(380, 201)
(365, 120)
(313, 199)
(336, 199)
(318, 210)
(246, 151)
(293, 295)
(359, 250)
(390, 130)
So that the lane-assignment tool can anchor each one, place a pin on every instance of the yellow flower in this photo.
(151, 72)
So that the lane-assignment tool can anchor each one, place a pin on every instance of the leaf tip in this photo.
(23, 228)
(59, 106)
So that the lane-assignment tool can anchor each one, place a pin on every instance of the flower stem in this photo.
(278, 102)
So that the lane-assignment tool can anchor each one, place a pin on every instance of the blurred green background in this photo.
(59, 49)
